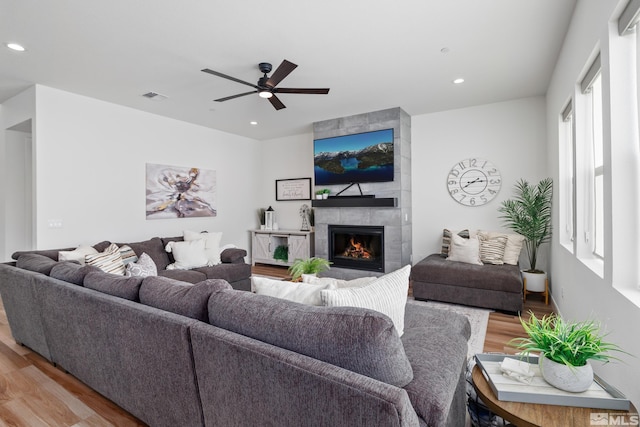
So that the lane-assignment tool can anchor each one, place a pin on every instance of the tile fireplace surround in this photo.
(396, 220)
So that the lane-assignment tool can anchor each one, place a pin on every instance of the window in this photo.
(591, 87)
(567, 178)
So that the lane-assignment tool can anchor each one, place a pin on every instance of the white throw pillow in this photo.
(109, 261)
(211, 244)
(386, 294)
(338, 283)
(464, 250)
(77, 254)
(304, 293)
(143, 267)
(188, 255)
(513, 248)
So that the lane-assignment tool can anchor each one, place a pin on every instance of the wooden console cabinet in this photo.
(264, 243)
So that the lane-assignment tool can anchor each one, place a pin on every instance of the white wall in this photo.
(579, 292)
(14, 111)
(90, 162)
(284, 158)
(512, 135)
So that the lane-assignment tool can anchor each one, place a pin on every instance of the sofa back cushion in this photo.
(71, 272)
(119, 286)
(180, 297)
(36, 262)
(357, 339)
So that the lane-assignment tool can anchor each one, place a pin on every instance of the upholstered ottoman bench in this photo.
(498, 287)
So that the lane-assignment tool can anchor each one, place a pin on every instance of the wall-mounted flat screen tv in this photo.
(355, 158)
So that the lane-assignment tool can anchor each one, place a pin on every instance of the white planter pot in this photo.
(536, 282)
(574, 379)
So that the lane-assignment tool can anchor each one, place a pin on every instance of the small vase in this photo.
(575, 379)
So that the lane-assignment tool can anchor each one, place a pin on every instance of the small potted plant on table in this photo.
(565, 350)
(311, 265)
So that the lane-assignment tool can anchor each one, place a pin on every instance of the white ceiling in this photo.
(373, 54)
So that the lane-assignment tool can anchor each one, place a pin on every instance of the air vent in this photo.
(155, 96)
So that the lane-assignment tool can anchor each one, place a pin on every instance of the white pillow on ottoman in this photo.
(387, 295)
(464, 250)
(303, 293)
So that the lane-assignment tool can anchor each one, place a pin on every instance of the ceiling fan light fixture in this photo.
(266, 94)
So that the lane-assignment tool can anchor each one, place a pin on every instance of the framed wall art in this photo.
(293, 189)
(180, 192)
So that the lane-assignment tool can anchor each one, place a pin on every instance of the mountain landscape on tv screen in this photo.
(373, 163)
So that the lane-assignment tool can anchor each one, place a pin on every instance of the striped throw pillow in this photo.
(109, 261)
(492, 248)
(387, 295)
(446, 239)
(128, 255)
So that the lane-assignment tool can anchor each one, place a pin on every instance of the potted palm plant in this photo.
(529, 214)
(311, 265)
(565, 349)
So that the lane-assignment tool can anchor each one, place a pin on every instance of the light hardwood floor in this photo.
(34, 393)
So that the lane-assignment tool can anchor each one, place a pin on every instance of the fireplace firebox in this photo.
(357, 247)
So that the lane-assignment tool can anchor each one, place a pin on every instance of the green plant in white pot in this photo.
(311, 265)
(529, 214)
(565, 349)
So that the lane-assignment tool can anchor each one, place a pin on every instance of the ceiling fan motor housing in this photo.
(265, 67)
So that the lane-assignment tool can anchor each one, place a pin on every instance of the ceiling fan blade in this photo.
(309, 91)
(235, 96)
(281, 72)
(224, 76)
(277, 104)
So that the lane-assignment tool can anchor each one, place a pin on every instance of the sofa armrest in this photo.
(233, 255)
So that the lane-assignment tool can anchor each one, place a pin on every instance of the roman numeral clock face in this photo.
(473, 182)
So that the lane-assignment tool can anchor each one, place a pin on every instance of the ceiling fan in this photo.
(266, 86)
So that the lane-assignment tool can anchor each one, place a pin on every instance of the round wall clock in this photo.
(473, 182)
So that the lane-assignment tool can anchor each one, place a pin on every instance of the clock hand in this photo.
(472, 182)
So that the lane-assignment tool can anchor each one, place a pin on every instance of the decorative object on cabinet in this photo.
(473, 182)
(269, 220)
(293, 189)
(304, 214)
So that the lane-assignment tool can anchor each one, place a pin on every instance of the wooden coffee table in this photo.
(539, 415)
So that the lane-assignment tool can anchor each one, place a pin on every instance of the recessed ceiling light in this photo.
(458, 81)
(444, 50)
(253, 123)
(15, 46)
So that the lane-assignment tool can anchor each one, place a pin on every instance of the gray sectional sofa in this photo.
(232, 268)
(178, 354)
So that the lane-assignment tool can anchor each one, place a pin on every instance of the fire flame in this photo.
(357, 250)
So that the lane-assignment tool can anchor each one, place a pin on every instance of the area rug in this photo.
(478, 318)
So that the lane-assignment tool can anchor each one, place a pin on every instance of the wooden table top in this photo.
(539, 415)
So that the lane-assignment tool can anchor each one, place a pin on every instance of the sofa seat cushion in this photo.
(229, 272)
(357, 339)
(179, 297)
(437, 358)
(436, 269)
(71, 272)
(419, 316)
(189, 276)
(119, 286)
(36, 262)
